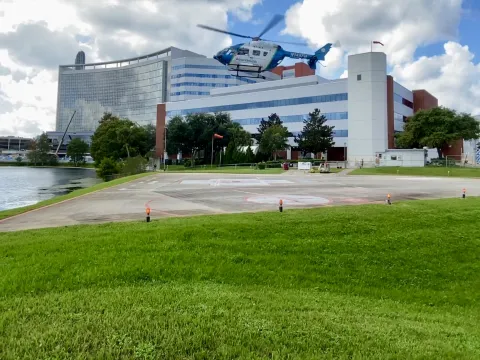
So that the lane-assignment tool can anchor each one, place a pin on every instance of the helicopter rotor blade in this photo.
(275, 20)
(223, 31)
(287, 42)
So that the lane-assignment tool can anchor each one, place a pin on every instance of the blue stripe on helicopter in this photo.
(276, 59)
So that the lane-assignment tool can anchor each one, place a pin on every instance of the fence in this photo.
(268, 165)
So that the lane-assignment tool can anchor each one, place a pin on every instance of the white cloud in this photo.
(37, 36)
(453, 77)
(403, 27)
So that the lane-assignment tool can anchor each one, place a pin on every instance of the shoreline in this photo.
(4, 214)
(13, 165)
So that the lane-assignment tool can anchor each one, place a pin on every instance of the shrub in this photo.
(134, 165)
(443, 162)
(107, 168)
(262, 166)
(187, 163)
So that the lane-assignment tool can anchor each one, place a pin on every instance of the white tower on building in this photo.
(367, 107)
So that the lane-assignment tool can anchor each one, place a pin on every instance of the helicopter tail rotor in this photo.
(320, 54)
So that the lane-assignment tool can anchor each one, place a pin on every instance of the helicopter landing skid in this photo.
(250, 77)
(257, 72)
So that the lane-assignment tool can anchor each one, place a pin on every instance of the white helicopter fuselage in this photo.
(254, 56)
(260, 55)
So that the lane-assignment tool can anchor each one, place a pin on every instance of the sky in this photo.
(430, 44)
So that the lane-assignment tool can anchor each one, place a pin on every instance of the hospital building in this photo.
(366, 109)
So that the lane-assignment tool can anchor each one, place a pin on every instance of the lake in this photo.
(23, 186)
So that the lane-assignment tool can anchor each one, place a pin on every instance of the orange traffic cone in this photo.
(389, 200)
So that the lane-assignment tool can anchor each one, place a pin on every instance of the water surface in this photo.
(23, 186)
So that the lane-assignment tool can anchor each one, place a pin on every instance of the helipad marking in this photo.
(421, 178)
(235, 182)
(195, 182)
(293, 200)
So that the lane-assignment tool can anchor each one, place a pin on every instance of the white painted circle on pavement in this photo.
(419, 178)
(288, 200)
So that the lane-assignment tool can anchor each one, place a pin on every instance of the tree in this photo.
(76, 150)
(199, 137)
(437, 128)
(249, 155)
(194, 134)
(39, 151)
(275, 138)
(316, 136)
(177, 135)
(151, 131)
(118, 139)
(272, 120)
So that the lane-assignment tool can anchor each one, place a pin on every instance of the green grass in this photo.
(420, 171)
(12, 212)
(370, 282)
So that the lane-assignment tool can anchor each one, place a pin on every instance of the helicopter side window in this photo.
(256, 52)
(242, 51)
(265, 53)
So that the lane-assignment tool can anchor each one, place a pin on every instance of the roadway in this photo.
(177, 194)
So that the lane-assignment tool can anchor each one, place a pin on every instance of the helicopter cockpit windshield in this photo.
(221, 53)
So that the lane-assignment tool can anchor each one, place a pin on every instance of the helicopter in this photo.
(259, 55)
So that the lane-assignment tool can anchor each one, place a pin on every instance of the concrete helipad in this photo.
(196, 194)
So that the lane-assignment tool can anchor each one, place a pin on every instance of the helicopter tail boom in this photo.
(312, 59)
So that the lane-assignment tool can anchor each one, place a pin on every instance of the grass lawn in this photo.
(423, 171)
(12, 212)
(373, 282)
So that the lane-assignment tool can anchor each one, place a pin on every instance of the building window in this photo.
(407, 103)
(298, 119)
(401, 100)
(359, 77)
(263, 104)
